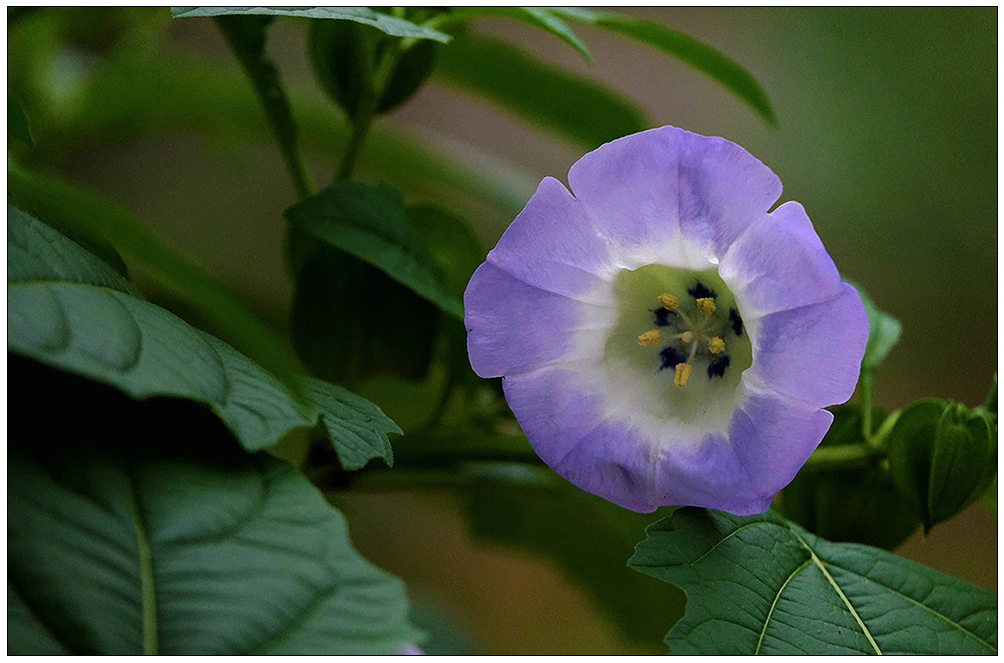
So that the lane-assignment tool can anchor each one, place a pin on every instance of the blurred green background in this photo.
(886, 133)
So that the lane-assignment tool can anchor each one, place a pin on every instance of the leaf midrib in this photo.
(148, 595)
(833, 583)
(917, 603)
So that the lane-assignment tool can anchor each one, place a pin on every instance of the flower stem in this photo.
(368, 104)
(841, 457)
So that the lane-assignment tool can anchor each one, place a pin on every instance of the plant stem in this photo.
(839, 457)
(387, 61)
(249, 47)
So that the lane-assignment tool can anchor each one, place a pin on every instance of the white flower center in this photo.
(680, 332)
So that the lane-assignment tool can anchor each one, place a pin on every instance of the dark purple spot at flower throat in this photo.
(671, 357)
(718, 365)
(737, 322)
(701, 291)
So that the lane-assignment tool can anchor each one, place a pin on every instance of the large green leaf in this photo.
(392, 25)
(67, 309)
(763, 585)
(697, 54)
(370, 223)
(574, 107)
(228, 315)
(139, 528)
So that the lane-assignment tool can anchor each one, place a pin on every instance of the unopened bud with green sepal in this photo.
(943, 457)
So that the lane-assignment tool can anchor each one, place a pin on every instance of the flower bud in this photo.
(942, 456)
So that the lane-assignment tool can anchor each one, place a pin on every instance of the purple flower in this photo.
(410, 650)
(663, 339)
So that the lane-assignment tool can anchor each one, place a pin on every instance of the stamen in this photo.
(716, 345)
(669, 301)
(687, 336)
(682, 374)
(706, 305)
(650, 338)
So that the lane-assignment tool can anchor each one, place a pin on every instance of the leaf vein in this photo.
(770, 613)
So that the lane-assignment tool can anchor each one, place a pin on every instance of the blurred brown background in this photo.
(887, 134)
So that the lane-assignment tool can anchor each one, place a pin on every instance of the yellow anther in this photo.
(687, 336)
(707, 305)
(716, 345)
(650, 338)
(669, 301)
(682, 374)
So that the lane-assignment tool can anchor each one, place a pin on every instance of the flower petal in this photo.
(772, 437)
(566, 424)
(514, 327)
(812, 353)
(780, 263)
(551, 244)
(641, 466)
(644, 189)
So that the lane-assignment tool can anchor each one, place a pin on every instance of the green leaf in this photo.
(370, 224)
(36, 252)
(858, 505)
(350, 321)
(762, 585)
(246, 36)
(180, 544)
(697, 54)
(356, 426)
(397, 27)
(68, 310)
(883, 335)
(545, 18)
(574, 107)
(343, 57)
(450, 243)
(228, 315)
(17, 122)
